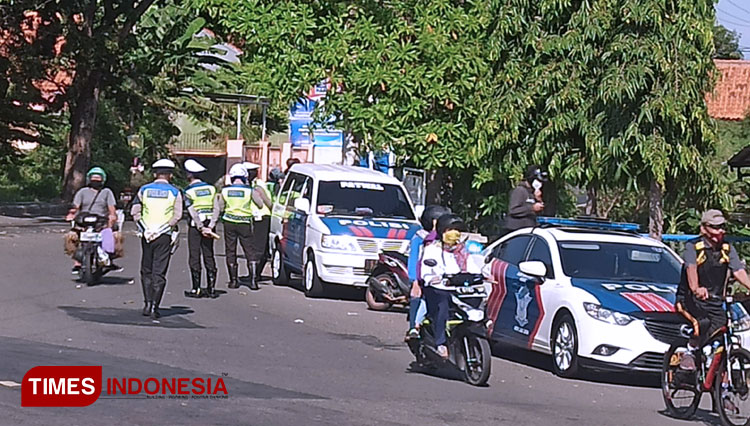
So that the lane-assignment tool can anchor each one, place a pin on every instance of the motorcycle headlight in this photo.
(606, 315)
(338, 242)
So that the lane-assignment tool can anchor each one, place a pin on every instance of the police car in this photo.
(330, 222)
(592, 294)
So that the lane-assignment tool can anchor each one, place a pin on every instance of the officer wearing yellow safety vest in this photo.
(199, 200)
(240, 205)
(262, 220)
(156, 210)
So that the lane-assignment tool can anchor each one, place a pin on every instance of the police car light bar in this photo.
(592, 223)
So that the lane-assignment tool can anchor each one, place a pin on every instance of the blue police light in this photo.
(589, 223)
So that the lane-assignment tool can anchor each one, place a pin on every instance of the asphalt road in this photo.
(285, 359)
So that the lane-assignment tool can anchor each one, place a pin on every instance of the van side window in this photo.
(284, 194)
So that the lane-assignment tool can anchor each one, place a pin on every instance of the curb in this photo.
(33, 209)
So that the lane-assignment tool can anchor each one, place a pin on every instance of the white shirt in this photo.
(445, 264)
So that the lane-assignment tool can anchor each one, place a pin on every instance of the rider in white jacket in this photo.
(446, 256)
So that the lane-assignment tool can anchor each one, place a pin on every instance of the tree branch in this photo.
(133, 16)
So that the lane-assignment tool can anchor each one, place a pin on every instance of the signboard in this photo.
(300, 121)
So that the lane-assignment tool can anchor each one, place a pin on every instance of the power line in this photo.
(743, 24)
(738, 6)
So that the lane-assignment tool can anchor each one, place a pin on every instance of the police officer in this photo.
(199, 200)
(156, 209)
(239, 204)
(262, 218)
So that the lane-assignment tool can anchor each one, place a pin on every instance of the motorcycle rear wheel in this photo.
(372, 302)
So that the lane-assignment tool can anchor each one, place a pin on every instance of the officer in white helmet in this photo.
(199, 200)
(237, 205)
(156, 209)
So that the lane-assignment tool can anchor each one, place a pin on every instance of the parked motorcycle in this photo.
(468, 347)
(89, 253)
(388, 284)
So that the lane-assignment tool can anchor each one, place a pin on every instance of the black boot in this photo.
(253, 277)
(210, 284)
(146, 309)
(233, 277)
(155, 314)
(196, 291)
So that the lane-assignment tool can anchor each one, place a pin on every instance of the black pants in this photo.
(198, 246)
(260, 240)
(154, 263)
(243, 233)
(438, 309)
(707, 317)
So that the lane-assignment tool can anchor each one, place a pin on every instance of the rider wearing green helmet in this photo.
(96, 199)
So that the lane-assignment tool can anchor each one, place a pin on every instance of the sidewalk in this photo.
(32, 209)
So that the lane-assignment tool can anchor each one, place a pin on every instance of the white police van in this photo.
(592, 294)
(329, 222)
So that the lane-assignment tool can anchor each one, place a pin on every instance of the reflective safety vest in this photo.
(263, 210)
(201, 196)
(238, 204)
(157, 201)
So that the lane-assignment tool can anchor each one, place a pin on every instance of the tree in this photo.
(607, 94)
(726, 43)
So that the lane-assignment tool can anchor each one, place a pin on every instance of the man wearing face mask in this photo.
(447, 255)
(94, 198)
(526, 200)
(709, 260)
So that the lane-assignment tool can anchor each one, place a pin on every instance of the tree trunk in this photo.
(434, 187)
(82, 122)
(591, 202)
(655, 211)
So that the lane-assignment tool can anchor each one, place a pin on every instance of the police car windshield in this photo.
(363, 199)
(619, 262)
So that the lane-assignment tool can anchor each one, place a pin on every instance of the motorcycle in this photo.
(388, 284)
(89, 253)
(124, 203)
(468, 347)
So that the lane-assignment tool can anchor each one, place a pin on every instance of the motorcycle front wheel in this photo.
(90, 273)
(477, 360)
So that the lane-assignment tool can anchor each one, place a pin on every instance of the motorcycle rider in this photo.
(199, 200)
(708, 260)
(94, 198)
(156, 209)
(447, 255)
(239, 204)
(426, 235)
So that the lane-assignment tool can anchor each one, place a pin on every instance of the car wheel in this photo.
(565, 347)
(312, 282)
(279, 275)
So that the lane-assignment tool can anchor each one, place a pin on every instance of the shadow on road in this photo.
(170, 317)
(543, 362)
(705, 417)
(333, 291)
(113, 281)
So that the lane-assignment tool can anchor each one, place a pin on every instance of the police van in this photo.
(330, 222)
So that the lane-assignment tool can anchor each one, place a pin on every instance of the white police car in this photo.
(592, 294)
(330, 222)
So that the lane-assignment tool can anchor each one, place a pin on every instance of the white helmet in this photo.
(237, 171)
(250, 166)
(164, 163)
(192, 166)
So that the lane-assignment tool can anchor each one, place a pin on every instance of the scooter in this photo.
(388, 284)
(468, 348)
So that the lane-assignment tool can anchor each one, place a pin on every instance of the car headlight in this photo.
(612, 317)
(338, 242)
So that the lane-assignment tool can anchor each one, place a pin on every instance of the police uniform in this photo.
(238, 206)
(261, 228)
(156, 209)
(199, 200)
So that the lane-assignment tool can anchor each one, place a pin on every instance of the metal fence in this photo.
(196, 142)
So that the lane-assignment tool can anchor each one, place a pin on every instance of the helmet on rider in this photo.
(449, 228)
(96, 171)
(430, 214)
(534, 172)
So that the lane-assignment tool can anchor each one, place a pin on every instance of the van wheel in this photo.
(279, 275)
(314, 286)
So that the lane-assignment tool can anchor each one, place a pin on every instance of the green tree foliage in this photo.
(608, 94)
(726, 43)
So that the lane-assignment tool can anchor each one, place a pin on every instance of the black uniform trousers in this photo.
(260, 240)
(242, 232)
(198, 246)
(154, 263)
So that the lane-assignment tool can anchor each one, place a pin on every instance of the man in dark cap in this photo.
(526, 200)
